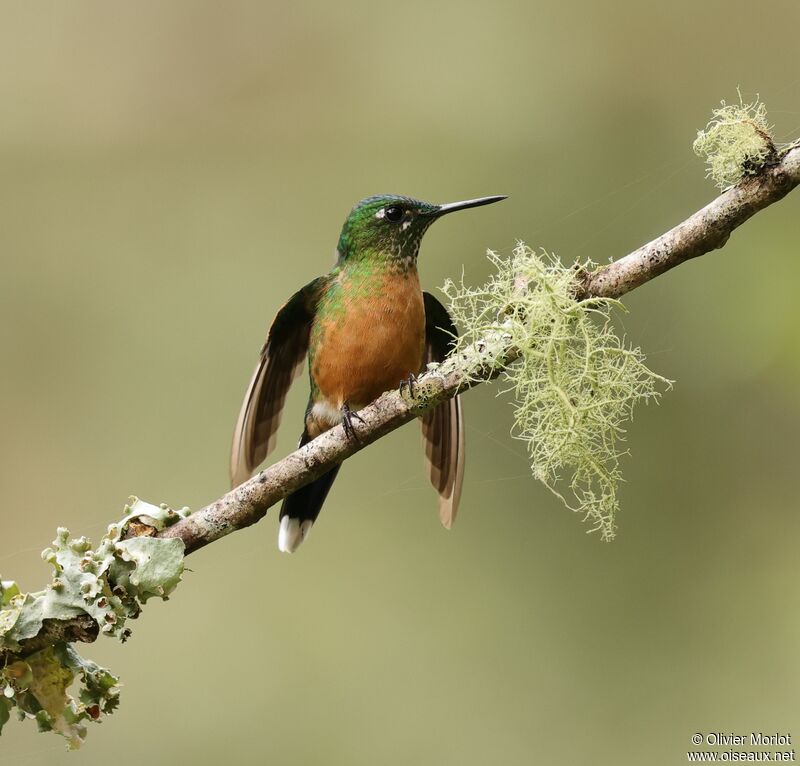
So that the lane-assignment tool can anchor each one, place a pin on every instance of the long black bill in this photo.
(453, 206)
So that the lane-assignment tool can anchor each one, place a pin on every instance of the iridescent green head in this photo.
(390, 226)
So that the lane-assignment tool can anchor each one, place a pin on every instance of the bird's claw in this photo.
(411, 383)
(348, 416)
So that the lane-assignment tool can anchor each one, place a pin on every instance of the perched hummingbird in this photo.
(366, 327)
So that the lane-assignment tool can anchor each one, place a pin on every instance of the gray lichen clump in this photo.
(575, 382)
(737, 142)
(108, 584)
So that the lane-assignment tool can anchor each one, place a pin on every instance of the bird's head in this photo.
(389, 226)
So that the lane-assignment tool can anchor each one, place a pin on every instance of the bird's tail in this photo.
(299, 510)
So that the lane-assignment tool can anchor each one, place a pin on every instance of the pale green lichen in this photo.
(109, 583)
(737, 142)
(575, 383)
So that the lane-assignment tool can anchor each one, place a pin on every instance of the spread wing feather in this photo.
(443, 427)
(280, 362)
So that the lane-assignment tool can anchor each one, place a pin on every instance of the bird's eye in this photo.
(393, 213)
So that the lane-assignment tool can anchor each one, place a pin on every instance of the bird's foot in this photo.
(348, 416)
(411, 383)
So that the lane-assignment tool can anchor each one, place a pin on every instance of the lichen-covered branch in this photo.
(92, 592)
(577, 386)
(702, 232)
(708, 229)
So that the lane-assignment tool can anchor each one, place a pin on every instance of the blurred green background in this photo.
(171, 172)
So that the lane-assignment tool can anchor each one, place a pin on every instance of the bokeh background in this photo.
(171, 172)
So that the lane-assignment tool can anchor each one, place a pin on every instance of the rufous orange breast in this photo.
(368, 346)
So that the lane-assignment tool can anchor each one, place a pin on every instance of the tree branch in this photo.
(249, 502)
(706, 230)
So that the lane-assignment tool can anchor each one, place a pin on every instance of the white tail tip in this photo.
(292, 532)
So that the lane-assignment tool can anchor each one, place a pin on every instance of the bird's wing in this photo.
(443, 426)
(279, 364)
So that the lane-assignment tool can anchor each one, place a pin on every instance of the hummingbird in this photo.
(366, 327)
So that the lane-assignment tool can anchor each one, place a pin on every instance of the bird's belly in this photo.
(369, 347)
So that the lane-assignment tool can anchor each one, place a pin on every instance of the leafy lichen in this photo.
(109, 584)
(575, 382)
(737, 142)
